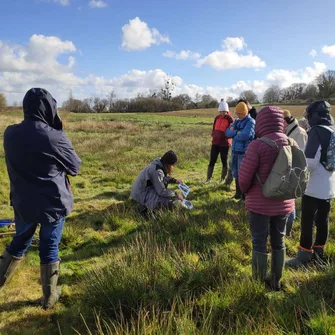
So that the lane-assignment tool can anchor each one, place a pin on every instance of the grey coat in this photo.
(150, 187)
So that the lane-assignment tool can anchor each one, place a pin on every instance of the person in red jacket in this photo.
(220, 143)
(266, 216)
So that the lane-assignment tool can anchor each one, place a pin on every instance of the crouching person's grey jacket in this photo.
(150, 187)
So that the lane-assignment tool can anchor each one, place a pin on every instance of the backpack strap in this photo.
(269, 142)
(325, 127)
(272, 144)
(292, 130)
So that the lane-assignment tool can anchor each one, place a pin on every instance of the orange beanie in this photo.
(242, 108)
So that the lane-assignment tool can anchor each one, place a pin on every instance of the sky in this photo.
(217, 47)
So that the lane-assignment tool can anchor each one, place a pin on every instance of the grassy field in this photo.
(183, 272)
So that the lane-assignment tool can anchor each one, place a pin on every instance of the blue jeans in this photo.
(236, 163)
(261, 225)
(50, 236)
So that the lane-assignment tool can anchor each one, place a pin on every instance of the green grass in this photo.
(182, 272)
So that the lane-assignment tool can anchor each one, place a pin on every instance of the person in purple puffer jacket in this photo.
(266, 216)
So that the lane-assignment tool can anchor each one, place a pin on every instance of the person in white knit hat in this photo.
(220, 143)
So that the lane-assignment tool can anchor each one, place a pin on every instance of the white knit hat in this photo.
(223, 106)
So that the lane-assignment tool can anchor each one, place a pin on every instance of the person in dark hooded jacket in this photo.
(316, 202)
(39, 156)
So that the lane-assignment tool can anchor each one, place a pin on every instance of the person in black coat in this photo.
(39, 158)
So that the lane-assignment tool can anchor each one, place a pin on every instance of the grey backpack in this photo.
(289, 176)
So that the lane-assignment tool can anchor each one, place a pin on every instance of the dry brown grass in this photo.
(99, 126)
(296, 111)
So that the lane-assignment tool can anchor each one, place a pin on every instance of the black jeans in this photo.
(314, 212)
(262, 225)
(215, 151)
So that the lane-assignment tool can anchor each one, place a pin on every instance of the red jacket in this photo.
(259, 158)
(220, 125)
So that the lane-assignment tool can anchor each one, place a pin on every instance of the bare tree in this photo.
(293, 92)
(3, 102)
(326, 84)
(169, 86)
(100, 105)
(182, 99)
(310, 92)
(110, 99)
(249, 95)
(272, 94)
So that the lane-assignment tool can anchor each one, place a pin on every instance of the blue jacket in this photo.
(246, 127)
(39, 156)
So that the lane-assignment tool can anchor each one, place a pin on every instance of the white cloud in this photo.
(136, 35)
(285, 78)
(229, 58)
(233, 43)
(37, 64)
(183, 54)
(61, 2)
(97, 4)
(313, 53)
(329, 50)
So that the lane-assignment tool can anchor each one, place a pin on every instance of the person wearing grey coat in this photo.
(150, 187)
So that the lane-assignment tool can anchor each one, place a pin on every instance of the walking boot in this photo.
(229, 179)
(259, 265)
(8, 265)
(223, 173)
(209, 174)
(49, 279)
(238, 193)
(303, 258)
(277, 267)
(318, 254)
(289, 225)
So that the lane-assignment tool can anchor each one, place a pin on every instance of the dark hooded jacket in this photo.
(321, 182)
(39, 156)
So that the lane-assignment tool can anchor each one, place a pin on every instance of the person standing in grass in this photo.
(266, 216)
(39, 157)
(150, 188)
(293, 130)
(316, 202)
(251, 110)
(242, 131)
(220, 143)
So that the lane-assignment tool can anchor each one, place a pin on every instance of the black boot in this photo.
(49, 279)
(8, 265)
(238, 193)
(229, 179)
(223, 173)
(209, 173)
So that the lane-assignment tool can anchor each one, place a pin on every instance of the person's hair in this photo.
(245, 101)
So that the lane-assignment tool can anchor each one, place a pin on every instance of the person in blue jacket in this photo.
(39, 158)
(242, 131)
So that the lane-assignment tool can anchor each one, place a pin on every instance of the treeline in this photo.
(142, 104)
(323, 87)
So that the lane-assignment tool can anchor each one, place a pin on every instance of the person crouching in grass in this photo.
(150, 188)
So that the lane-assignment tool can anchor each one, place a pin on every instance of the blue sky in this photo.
(222, 47)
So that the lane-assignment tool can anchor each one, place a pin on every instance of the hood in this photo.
(318, 112)
(157, 161)
(39, 105)
(270, 119)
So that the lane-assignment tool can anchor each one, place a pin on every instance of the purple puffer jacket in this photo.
(259, 158)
